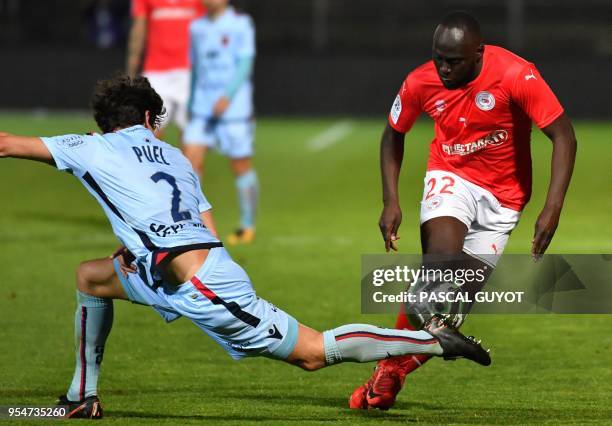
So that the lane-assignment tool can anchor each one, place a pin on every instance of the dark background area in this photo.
(315, 57)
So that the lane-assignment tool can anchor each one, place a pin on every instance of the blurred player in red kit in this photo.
(160, 30)
(483, 100)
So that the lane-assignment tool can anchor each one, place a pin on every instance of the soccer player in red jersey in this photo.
(160, 28)
(482, 99)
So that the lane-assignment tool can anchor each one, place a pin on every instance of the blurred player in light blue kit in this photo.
(173, 261)
(221, 103)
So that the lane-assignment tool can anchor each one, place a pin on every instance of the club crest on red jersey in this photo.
(485, 100)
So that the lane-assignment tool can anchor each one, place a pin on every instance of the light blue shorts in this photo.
(231, 138)
(220, 299)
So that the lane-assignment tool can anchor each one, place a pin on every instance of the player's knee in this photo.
(241, 166)
(309, 364)
(84, 277)
(312, 365)
(308, 353)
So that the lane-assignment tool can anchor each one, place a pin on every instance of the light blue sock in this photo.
(364, 343)
(248, 193)
(92, 324)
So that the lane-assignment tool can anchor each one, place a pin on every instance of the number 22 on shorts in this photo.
(447, 183)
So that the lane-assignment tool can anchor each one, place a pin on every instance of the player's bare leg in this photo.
(439, 236)
(97, 286)
(195, 154)
(365, 343)
(248, 194)
(443, 235)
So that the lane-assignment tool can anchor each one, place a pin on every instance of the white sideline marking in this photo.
(330, 136)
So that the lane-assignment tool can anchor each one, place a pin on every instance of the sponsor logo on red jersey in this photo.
(495, 138)
(174, 13)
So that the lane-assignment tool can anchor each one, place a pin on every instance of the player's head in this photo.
(123, 101)
(215, 5)
(457, 49)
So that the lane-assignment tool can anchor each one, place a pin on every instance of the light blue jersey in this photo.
(146, 187)
(217, 46)
(153, 200)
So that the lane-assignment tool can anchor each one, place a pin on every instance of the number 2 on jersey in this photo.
(177, 215)
(449, 182)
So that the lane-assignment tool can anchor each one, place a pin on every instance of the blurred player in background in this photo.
(483, 100)
(221, 104)
(154, 202)
(160, 35)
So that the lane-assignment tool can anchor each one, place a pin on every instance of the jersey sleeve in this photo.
(245, 44)
(406, 106)
(71, 152)
(535, 97)
(140, 8)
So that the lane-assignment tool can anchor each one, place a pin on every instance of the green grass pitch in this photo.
(319, 212)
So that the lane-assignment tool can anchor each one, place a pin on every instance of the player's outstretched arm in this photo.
(29, 148)
(561, 133)
(391, 156)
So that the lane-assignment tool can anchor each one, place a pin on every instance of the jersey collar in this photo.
(134, 129)
(228, 11)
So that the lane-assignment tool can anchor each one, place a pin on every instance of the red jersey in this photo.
(483, 129)
(167, 31)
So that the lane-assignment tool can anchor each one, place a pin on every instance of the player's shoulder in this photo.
(174, 155)
(240, 18)
(505, 62)
(422, 76)
(169, 147)
(150, 137)
(198, 24)
(141, 3)
(504, 55)
(424, 72)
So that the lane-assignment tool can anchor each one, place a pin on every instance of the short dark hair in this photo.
(121, 101)
(464, 21)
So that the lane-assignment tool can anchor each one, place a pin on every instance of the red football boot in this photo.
(381, 390)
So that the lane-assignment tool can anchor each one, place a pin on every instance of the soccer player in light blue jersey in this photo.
(221, 103)
(172, 261)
